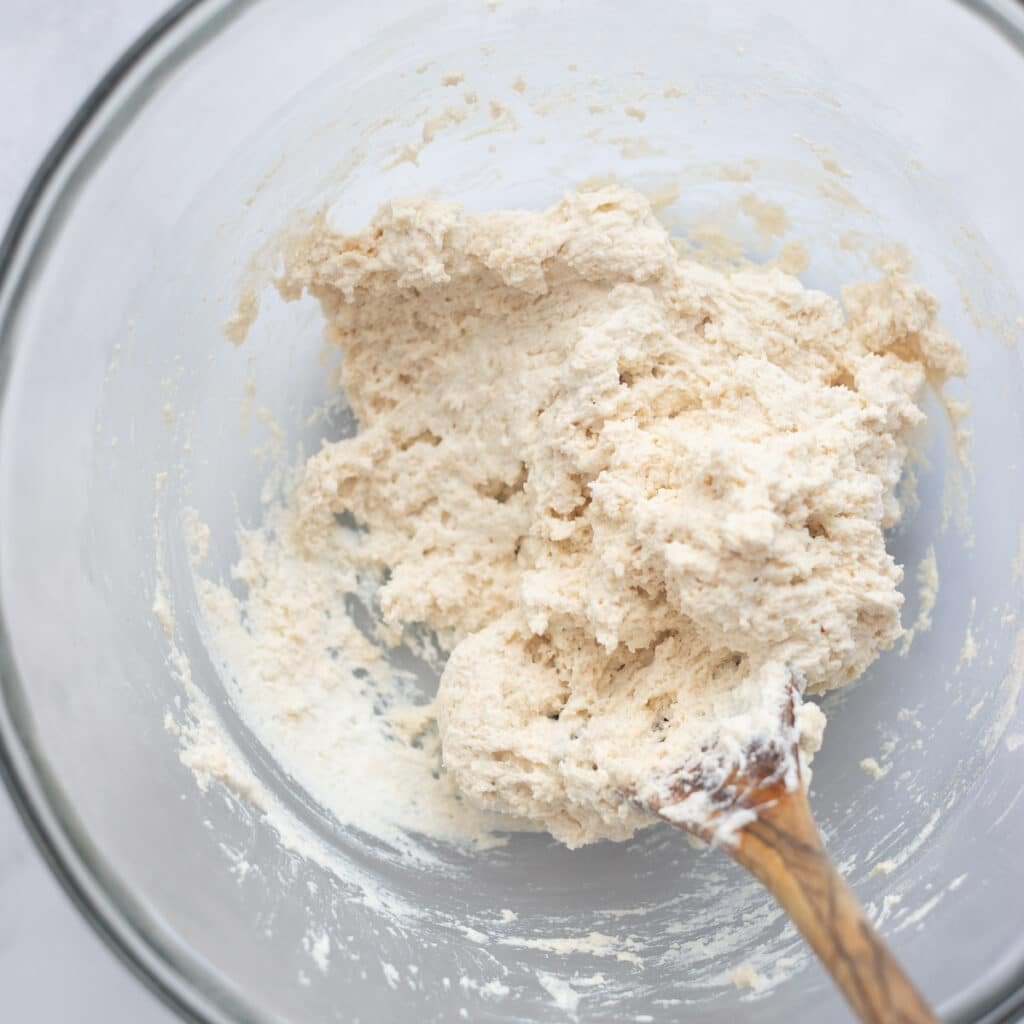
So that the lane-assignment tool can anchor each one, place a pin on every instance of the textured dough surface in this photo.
(637, 496)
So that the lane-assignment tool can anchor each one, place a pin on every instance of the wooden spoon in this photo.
(781, 847)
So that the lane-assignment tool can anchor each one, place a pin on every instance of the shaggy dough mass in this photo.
(635, 495)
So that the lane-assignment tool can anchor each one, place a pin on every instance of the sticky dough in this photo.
(636, 496)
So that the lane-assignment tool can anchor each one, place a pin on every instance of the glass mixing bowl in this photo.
(868, 122)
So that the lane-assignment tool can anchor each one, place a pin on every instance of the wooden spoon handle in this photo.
(782, 848)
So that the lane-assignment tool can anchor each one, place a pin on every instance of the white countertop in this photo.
(53, 968)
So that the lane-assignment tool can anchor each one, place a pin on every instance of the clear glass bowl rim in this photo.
(187, 985)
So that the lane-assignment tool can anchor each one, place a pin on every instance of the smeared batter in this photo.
(639, 498)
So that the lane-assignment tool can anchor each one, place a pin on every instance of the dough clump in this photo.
(639, 498)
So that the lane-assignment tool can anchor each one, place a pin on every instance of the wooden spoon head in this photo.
(716, 802)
